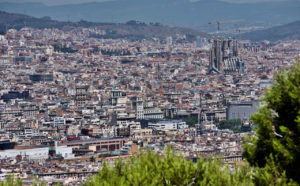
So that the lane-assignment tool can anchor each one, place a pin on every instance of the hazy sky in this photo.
(60, 2)
(55, 2)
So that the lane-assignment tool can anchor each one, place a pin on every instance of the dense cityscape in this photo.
(69, 101)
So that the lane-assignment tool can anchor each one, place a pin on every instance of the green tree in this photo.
(277, 137)
(92, 159)
(191, 121)
(170, 169)
(11, 181)
(232, 124)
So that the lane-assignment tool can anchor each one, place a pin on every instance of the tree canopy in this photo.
(277, 138)
(173, 169)
(170, 169)
(232, 124)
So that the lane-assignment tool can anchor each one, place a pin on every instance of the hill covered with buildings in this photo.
(283, 32)
(134, 30)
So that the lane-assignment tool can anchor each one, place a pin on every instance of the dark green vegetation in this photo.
(277, 138)
(133, 30)
(115, 52)
(171, 169)
(92, 159)
(234, 124)
(289, 31)
(191, 121)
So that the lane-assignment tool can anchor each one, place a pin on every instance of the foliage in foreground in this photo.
(277, 138)
(152, 169)
(11, 181)
(15, 181)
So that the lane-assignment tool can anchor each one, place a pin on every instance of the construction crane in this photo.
(240, 36)
(218, 23)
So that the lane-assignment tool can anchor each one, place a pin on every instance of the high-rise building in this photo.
(116, 96)
(241, 110)
(139, 108)
(169, 40)
(81, 95)
(201, 42)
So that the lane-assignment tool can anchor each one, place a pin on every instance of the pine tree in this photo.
(277, 138)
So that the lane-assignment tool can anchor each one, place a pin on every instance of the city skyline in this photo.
(83, 86)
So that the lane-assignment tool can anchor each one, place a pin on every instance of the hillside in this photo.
(184, 13)
(132, 29)
(289, 31)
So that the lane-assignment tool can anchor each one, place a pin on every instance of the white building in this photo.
(153, 113)
(167, 125)
(37, 153)
(134, 127)
(139, 108)
(143, 112)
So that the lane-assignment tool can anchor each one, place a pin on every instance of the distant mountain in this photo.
(289, 31)
(134, 30)
(187, 13)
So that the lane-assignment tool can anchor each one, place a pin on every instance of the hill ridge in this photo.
(290, 31)
(132, 29)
